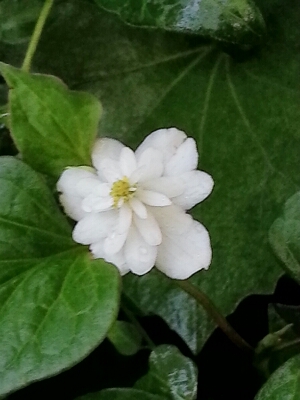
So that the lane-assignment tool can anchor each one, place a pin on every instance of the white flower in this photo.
(131, 206)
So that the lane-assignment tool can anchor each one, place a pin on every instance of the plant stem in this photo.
(36, 34)
(138, 326)
(215, 315)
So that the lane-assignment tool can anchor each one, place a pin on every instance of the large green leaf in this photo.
(238, 21)
(243, 112)
(52, 126)
(56, 304)
(121, 394)
(285, 236)
(284, 383)
(170, 375)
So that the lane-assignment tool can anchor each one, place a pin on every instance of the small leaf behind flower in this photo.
(170, 375)
(284, 383)
(52, 126)
(56, 304)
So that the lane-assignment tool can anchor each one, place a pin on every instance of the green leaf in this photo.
(285, 236)
(125, 337)
(17, 21)
(243, 112)
(284, 383)
(121, 394)
(52, 126)
(56, 304)
(237, 21)
(170, 374)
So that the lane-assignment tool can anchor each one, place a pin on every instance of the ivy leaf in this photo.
(52, 126)
(170, 375)
(284, 383)
(244, 113)
(236, 21)
(121, 394)
(285, 236)
(125, 337)
(56, 304)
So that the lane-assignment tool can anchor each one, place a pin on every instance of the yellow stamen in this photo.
(122, 190)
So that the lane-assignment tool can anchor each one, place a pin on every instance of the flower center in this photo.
(121, 190)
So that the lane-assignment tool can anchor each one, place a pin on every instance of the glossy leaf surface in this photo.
(170, 375)
(52, 126)
(237, 21)
(56, 303)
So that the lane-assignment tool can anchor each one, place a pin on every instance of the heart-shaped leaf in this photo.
(52, 126)
(237, 21)
(56, 304)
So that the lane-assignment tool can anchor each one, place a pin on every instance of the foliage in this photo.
(284, 384)
(225, 72)
(235, 21)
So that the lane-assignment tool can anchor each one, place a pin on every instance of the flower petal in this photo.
(94, 227)
(153, 198)
(97, 249)
(71, 177)
(72, 206)
(181, 255)
(185, 159)
(102, 190)
(125, 219)
(150, 164)
(127, 161)
(94, 203)
(110, 170)
(106, 148)
(115, 241)
(92, 185)
(149, 229)
(197, 186)
(167, 185)
(138, 207)
(165, 140)
(140, 256)
(172, 219)
(117, 259)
